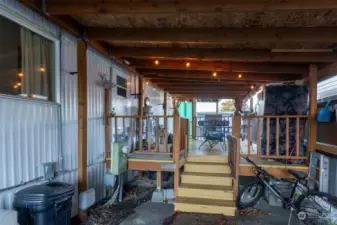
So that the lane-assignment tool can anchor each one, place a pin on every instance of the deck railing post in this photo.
(312, 124)
(176, 151)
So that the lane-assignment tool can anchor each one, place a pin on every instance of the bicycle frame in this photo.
(288, 201)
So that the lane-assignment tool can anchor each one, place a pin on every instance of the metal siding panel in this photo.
(333, 177)
(29, 136)
(95, 178)
(327, 88)
(69, 102)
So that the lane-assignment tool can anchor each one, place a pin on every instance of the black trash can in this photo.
(45, 204)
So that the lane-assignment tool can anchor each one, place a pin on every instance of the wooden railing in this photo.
(284, 141)
(128, 125)
(234, 161)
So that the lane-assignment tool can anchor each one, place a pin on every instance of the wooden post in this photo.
(159, 180)
(140, 114)
(176, 152)
(194, 119)
(107, 127)
(165, 111)
(236, 126)
(251, 104)
(82, 114)
(312, 124)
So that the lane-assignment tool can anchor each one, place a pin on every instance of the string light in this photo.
(188, 64)
(156, 62)
(240, 76)
(128, 83)
(147, 82)
(215, 74)
(42, 69)
(20, 74)
(18, 84)
(251, 86)
(262, 86)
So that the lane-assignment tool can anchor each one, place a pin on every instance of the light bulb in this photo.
(42, 69)
(188, 64)
(215, 74)
(240, 76)
(20, 74)
(156, 62)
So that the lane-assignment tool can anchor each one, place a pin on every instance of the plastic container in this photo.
(48, 203)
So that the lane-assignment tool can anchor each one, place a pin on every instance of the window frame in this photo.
(56, 51)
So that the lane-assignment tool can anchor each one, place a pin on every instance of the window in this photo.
(25, 62)
(121, 86)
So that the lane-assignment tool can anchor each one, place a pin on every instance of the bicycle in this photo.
(312, 207)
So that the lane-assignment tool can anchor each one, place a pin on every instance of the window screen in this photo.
(121, 86)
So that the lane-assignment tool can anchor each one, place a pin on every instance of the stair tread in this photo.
(207, 187)
(207, 174)
(207, 163)
(201, 201)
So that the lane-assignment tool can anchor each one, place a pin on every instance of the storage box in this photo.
(163, 149)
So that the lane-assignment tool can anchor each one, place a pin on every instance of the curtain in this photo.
(35, 64)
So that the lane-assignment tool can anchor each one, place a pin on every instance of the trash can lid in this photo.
(47, 192)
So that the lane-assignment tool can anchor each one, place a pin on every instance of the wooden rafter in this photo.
(243, 67)
(57, 7)
(215, 35)
(178, 81)
(234, 55)
(219, 75)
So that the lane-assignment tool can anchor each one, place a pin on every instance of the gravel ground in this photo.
(135, 194)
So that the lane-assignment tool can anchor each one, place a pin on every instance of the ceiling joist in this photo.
(234, 55)
(218, 75)
(215, 35)
(62, 7)
(243, 67)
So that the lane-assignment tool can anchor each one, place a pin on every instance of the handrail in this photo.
(276, 116)
(234, 161)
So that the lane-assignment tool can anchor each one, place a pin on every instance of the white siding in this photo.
(29, 136)
(327, 88)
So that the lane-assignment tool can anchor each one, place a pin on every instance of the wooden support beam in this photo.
(82, 114)
(215, 35)
(159, 180)
(218, 66)
(205, 87)
(165, 112)
(176, 151)
(57, 7)
(194, 119)
(312, 123)
(224, 54)
(195, 74)
(189, 81)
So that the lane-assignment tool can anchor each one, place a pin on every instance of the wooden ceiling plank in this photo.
(215, 35)
(57, 7)
(233, 55)
(218, 66)
(151, 73)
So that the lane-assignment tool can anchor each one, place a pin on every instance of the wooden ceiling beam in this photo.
(62, 7)
(175, 81)
(243, 67)
(150, 73)
(233, 55)
(215, 35)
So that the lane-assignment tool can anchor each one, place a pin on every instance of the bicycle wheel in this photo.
(317, 209)
(249, 195)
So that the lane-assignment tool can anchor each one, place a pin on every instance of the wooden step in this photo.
(206, 191)
(208, 158)
(207, 167)
(209, 206)
(207, 178)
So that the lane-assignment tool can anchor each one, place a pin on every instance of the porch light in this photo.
(215, 74)
(156, 62)
(42, 69)
(251, 86)
(147, 82)
(18, 84)
(20, 74)
(128, 83)
(240, 76)
(188, 64)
